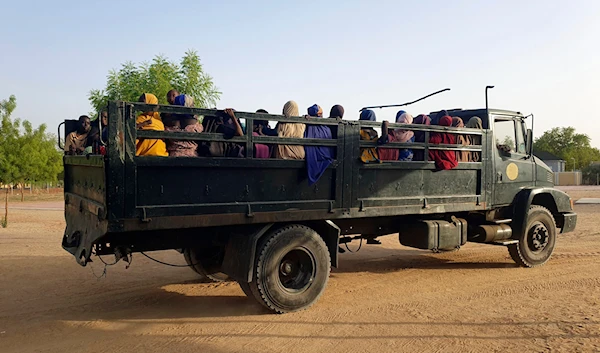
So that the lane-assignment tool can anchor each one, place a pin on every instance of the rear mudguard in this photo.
(240, 252)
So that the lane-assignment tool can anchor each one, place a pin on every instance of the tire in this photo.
(246, 289)
(205, 262)
(291, 269)
(535, 247)
(190, 263)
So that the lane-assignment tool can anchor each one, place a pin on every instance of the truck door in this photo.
(513, 167)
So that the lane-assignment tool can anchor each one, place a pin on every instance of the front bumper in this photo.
(568, 222)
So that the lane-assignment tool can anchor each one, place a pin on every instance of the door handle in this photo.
(499, 176)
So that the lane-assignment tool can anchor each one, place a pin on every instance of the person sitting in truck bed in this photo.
(336, 112)
(94, 141)
(422, 119)
(262, 128)
(369, 154)
(225, 123)
(290, 130)
(104, 122)
(462, 140)
(475, 123)
(77, 141)
(182, 123)
(436, 119)
(318, 158)
(443, 159)
(263, 125)
(396, 135)
(150, 121)
(171, 95)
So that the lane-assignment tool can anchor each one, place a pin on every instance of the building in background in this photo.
(555, 163)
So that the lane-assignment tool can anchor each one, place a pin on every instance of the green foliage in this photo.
(27, 154)
(158, 77)
(575, 149)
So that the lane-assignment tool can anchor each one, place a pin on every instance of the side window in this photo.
(504, 133)
(520, 132)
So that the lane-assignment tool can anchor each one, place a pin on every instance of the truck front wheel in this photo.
(291, 270)
(536, 245)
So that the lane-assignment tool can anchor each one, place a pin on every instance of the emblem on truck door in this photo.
(512, 171)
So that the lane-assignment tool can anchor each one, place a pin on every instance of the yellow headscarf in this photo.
(150, 147)
(149, 98)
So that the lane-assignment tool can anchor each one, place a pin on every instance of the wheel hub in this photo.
(286, 268)
(296, 270)
(539, 237)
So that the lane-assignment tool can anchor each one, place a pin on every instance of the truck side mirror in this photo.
(529, 142)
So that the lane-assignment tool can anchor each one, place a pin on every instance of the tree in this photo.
(158, 78)
(575, 149)
(27, 154)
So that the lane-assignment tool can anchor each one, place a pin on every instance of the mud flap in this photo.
(84, 228)
(240, 252)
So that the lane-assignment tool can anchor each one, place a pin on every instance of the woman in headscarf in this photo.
(290, 130)
(462, 140)
(336, 112)
(183, 123)
(368, 155)
(150, 121)
(318, 158)
(419, 154)
(438, 116)
(396, 135)
(443, 159)
(475, 123)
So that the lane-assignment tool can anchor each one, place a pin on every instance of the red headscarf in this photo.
(443, 159)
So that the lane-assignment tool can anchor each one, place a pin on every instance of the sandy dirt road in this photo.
(386, 298)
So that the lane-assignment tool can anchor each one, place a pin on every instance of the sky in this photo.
(543, 57)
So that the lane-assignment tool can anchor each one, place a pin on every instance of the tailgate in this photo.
(85, 204)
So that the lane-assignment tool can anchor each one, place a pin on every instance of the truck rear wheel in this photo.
(246, 289)
(291, 269)
(206, 262)
(536, 245)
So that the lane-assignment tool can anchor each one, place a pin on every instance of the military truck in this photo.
(258, 222)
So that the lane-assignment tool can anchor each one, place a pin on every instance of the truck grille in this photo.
(550, 177)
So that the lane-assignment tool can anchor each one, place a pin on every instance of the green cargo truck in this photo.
(258, 222)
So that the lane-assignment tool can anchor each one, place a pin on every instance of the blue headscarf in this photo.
(315, 110)
(184, 100)
(318, 158)
(367, 115)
